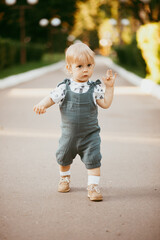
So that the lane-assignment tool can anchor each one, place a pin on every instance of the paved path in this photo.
(31, 207)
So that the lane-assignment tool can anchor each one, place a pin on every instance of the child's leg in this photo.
(94, 171)
(94, 176)
(64, 179)
(93, 181)
(64, 168)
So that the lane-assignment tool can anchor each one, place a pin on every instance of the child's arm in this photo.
(109, 90)
(41, 107)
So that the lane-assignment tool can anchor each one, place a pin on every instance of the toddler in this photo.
(78, 98)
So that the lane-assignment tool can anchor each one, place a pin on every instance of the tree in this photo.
(86, 22)
(143, 10)
(9, 18)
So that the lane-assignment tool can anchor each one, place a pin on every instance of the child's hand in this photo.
(39, 109)
(109, 79)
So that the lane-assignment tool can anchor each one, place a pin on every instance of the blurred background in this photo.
(35, 33)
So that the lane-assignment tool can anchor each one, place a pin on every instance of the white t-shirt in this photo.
(58, 94)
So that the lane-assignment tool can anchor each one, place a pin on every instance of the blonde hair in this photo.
(79, 52)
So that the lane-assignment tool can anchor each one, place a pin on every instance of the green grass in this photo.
(46, 60)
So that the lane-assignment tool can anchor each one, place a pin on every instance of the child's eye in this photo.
(79, 66)
(89, 65)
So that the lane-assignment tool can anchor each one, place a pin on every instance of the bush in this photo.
(10, 52)
(58, 43)
(34, 52)
(7, 53)
(130, 57)
(148, 37)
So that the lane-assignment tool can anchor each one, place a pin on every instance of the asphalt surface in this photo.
(31, 207)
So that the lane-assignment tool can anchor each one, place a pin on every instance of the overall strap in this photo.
(93, 84)
(65, 81)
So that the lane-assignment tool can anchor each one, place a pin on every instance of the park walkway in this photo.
(31, 207)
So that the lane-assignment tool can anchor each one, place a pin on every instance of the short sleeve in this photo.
(58, 94)
(99, 91)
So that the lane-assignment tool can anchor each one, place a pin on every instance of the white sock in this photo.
(65, 173)
(93, 179)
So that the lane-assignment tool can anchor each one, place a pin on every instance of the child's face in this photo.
(81, 70)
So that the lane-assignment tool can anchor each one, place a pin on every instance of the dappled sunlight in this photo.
(130, 138)
(109, 137)
(28, 92)
(128, 91)
(31, 133)
(42, 92)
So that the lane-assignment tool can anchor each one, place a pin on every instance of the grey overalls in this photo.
(80, 130)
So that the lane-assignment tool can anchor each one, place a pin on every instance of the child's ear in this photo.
(69, 68)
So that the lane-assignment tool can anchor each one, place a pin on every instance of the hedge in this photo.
(148, 38)
(10, 52)
(130, 56)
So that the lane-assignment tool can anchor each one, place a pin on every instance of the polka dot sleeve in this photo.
(58, 94)
(99, 92)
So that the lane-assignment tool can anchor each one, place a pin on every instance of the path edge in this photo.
(147, 86)
(29, 75)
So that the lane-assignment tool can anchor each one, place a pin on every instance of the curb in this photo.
(146, 85)
(28, 76)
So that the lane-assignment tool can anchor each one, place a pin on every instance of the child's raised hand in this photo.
(109, 79)
(39, 109)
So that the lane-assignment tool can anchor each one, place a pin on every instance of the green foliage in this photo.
(52, 57)
(10, 18)
(93, 39)
(58, 42)
(86, 20)
(143, 11)
(47, 59)
(10, 52)
(148, 37)
(129, 56)
(34, 51)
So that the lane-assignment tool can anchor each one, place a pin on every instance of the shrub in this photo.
(10, 52)
(34, 52)
(130, 57)
(148, 38)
